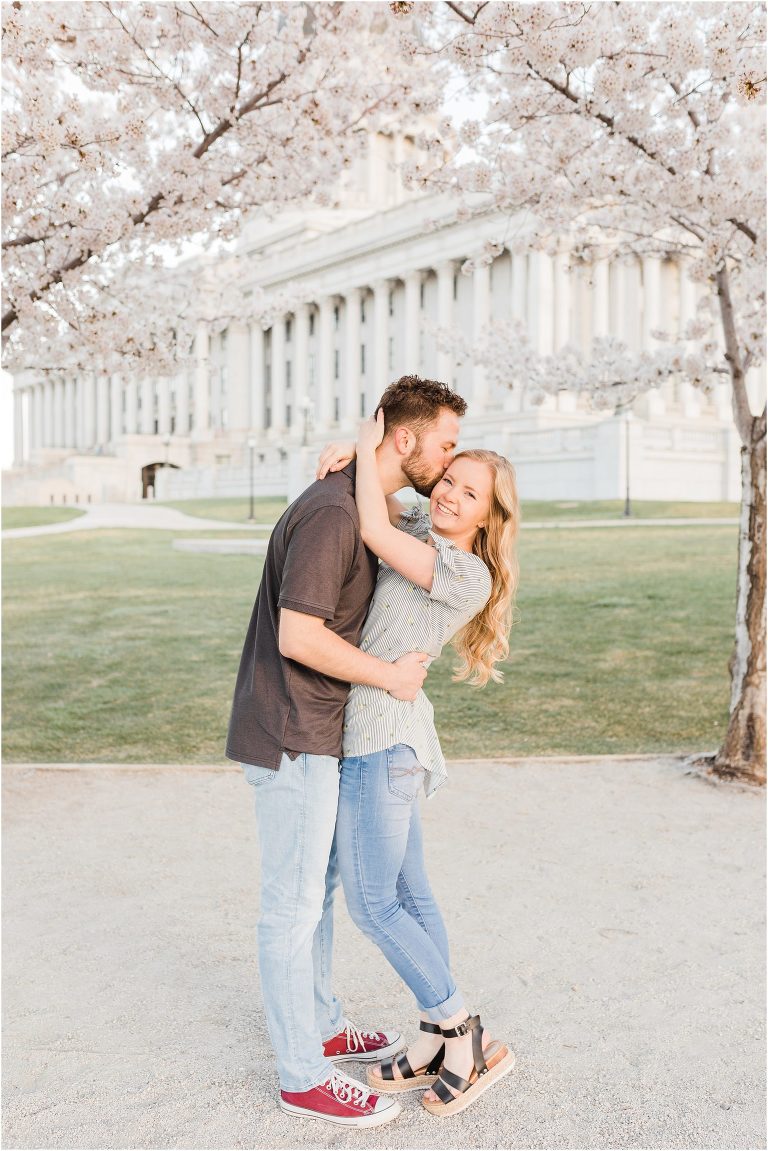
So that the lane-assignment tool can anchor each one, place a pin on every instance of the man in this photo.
(299, 658)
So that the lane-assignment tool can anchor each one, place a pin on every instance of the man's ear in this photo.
(404, 440)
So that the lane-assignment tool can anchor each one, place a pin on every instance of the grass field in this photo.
(119, 649)
(35, 517)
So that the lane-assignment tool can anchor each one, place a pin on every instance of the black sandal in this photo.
(410, 1078)
(490, 1064)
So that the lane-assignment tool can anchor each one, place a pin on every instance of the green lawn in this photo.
(270, 510)
(265, 510)
(117, 648)
(35, 517)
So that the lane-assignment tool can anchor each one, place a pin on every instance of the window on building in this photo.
(362, 405)
(362, 310)
(267, 416)
(156, 426)
(311, 323)
(336, 364)
(287, 415)
(422, 291)
(190, 422)
(173, 424)
(392, 303)
(391, 353)
(288, 367)
(288, 330)
(311, 370)
(336, 317)
(362, 358)
(336, 409)
(455, 287)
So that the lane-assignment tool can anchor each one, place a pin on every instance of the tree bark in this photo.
(742, 755)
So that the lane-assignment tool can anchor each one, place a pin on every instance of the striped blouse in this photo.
(404, 617)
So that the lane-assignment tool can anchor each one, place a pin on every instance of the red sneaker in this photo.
(366, 1046)
(341, 1100)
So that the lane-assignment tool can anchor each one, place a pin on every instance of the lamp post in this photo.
(251, 448)
(627, 421)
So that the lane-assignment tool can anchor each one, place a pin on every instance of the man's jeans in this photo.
(296, 814)
(378, 833)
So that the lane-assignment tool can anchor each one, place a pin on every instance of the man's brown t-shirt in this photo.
(316, 563)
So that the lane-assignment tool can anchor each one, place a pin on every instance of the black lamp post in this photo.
(251, 449)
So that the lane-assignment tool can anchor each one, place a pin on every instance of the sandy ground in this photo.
(605, 918)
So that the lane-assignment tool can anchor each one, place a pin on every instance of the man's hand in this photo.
(409, 675)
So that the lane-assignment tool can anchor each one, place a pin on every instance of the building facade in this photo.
(370, 282)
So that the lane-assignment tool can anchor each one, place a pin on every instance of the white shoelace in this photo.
(347, 1090)
(356, 1037)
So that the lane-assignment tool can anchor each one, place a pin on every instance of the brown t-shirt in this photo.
(316, 563)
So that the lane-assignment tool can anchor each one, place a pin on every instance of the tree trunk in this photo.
(742, 755)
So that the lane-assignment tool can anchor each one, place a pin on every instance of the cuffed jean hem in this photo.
(296, 1086)
(446, 1009)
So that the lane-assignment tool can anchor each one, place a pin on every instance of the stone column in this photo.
(380, 366)
(201, 414)
(445, 273)
(147, 425)
(301, 358)
(70, 413)
(102, 410)
(350, 412)
(690, 397)
(57, 438)
(115, 409)
(412, 282)
(89, 410)
(131, 406)
(278, 378)
(257, 378)
(541, 301)
(519, 285)
(163, 406)
(47, 439)
(651, 320)
(238, 383)
(601, 320)
(562, 334)
(18, 428)
(481, 315)
(324, 402)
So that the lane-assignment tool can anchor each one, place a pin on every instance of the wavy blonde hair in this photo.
(484, 641)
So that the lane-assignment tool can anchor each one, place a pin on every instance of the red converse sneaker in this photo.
(367, 1046)
(341, 1100)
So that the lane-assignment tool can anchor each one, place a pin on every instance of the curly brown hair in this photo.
(416, 403)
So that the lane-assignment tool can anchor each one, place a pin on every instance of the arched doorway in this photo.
(148, 473)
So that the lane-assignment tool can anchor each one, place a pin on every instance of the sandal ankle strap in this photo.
(464, 1028)
(431, 1028)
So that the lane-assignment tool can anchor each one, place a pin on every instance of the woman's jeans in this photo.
(379, 845)
(296, 813)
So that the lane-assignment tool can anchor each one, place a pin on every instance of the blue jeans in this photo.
(296, 814)
(381, 860)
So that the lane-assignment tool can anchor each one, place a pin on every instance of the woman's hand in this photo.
(335, 457)
(371, 433)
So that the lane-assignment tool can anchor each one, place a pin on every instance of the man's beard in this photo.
(422, 479)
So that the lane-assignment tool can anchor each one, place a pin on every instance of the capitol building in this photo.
(370, 282)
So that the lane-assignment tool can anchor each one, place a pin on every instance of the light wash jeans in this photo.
(296, 814)
(381, 859)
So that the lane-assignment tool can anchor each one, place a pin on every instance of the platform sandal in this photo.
(490, 1064)
(410, 1078)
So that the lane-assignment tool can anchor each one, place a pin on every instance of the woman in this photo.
(452, 578)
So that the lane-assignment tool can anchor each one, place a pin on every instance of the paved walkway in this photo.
(147, 515)
(605, 917)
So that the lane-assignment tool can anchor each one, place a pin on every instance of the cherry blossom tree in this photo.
(632, 129)
(132, 128)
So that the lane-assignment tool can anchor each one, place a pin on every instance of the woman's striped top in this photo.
(404, 617)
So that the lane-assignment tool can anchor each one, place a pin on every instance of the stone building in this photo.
(374, 277)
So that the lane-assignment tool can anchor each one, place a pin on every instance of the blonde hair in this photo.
(484, 641)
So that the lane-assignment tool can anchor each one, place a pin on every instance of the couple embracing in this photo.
(336, 770)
